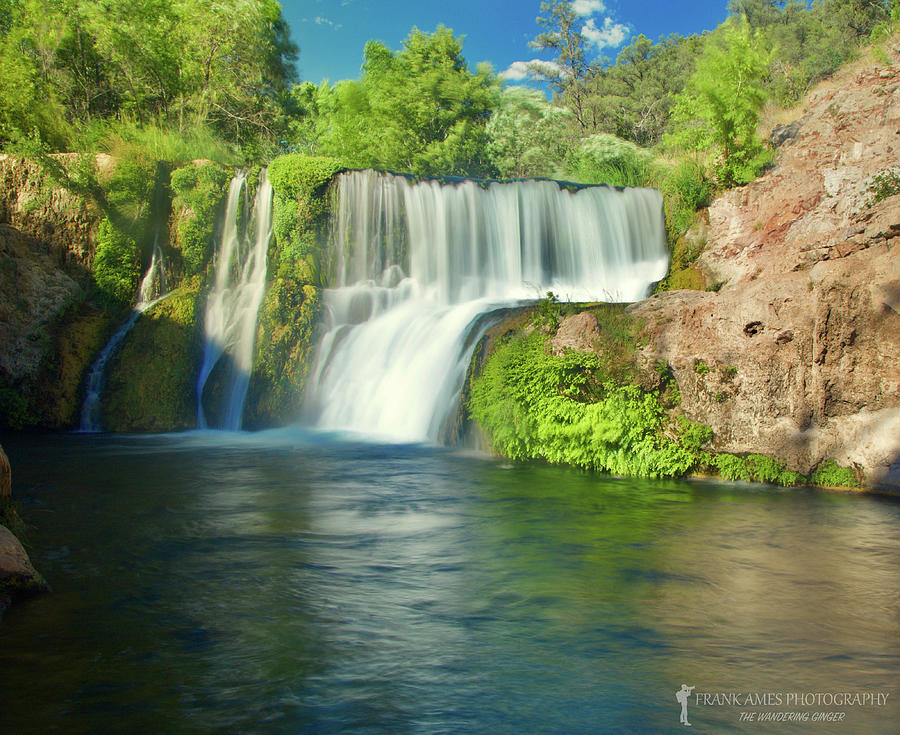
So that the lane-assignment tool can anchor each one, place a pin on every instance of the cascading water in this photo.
(152, 290)
(416, 266)
(233, 304)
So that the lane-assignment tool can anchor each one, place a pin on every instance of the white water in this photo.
(414, 266)
(152, 290)
(233, 304)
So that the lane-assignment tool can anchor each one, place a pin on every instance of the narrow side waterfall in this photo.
(233, 303)
(416, 266)
(152, 290)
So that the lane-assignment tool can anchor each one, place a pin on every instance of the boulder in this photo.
(17, 576)
(578, 332)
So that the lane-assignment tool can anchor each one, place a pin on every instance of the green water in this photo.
(295, 583)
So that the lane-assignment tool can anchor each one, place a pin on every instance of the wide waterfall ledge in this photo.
(415, 265)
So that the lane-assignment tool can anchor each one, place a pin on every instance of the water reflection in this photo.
(292, 584)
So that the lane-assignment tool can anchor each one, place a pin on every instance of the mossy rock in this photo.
(78, 342)
(151, 383)
(285, 347)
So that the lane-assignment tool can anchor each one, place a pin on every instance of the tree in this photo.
(528, 136)
(227, 65)
(719, 108)
(633, 98)
(420, 110)
(569, 70)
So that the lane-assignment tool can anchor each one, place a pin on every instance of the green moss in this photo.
(198, 193)
(831, 474)
(701, 368)
(287, 318)
(151, 382)
(532, 405)
(79, 339)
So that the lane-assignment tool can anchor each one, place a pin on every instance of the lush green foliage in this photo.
(288, 314)
(831, 474)
(419, 111)
(198, 192)
(300, 207)
(633, 98)
(606, 159)
(719, 107)
(185, 65)
(570, 68)
(534, 405)
(528, 136)
(117, 266)
(755, 468)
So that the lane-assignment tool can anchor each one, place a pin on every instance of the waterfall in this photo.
(415, 266)
(152, 290)
(233, 303)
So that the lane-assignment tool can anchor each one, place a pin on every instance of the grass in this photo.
(127, 138)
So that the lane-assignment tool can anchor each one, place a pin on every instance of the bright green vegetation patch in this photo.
(286, 335)
(117, 266)
(831, 474)
(754, 468)
(198, 192)
(151, 383)
(532, 405)
(883, 185)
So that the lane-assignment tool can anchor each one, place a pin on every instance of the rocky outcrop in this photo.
(48, 335)
(796, 355)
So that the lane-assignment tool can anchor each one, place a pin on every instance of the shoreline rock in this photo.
(18, 577)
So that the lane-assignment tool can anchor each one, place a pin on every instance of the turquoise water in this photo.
(301, 583)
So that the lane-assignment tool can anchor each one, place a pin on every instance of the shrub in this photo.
(116, 268)
(606, 159)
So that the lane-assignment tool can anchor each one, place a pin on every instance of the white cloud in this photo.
(323, 21)
(611, 35)
(520, 70)
(588, 7)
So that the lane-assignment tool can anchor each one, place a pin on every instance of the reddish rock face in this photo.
(803, 338)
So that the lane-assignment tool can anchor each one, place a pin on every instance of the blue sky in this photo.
(332, 33)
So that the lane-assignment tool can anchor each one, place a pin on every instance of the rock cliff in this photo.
(797, 355)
